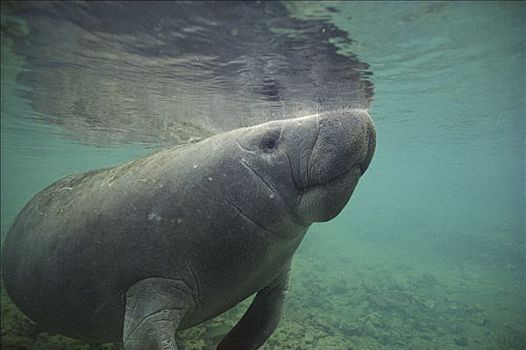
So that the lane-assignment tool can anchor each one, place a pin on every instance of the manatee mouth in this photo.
(371, 147)
(323, 201)
(356, 170)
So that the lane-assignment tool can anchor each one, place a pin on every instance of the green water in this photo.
(430, 253)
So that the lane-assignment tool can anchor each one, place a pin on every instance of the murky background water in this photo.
(431, 251)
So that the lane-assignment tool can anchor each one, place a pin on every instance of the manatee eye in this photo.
(267, 142)
(270, 140)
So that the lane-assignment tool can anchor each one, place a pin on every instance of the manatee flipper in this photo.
(154, 310)
(261, 318)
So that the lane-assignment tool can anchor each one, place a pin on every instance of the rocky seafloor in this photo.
(353, 301)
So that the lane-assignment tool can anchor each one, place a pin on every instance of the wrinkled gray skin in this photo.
(136, 252)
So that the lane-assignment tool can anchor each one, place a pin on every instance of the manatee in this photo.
(137, 252)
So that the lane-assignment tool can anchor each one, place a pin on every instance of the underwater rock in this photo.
(195, 344)
(476, 314)
(428, 280)
(375, 320)
(14, 342)
(461, 341)
(331, 343)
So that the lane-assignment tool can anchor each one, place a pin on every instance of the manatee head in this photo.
(310, 165)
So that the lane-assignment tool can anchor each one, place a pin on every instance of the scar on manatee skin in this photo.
(154, 217)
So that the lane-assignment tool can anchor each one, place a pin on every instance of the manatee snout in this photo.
(344, 147)
(344, 140)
